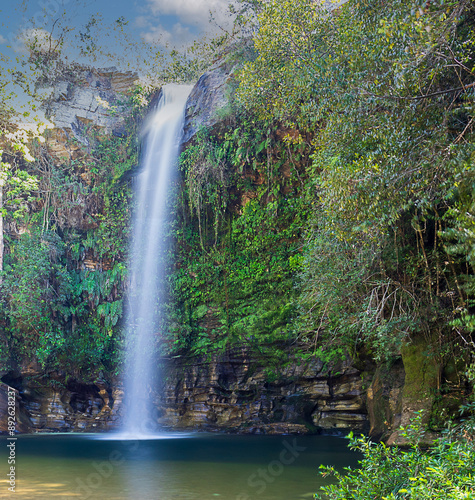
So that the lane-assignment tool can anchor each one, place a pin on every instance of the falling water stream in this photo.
(148, 255)
(134, 464)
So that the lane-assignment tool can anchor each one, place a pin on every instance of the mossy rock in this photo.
(421, 369)
(422, 377)
(384, 398)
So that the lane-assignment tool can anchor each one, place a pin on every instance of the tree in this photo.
(392, 138)
(15, 183)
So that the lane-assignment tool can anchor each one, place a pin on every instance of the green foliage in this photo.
(237, 257)
(444, 471)
(206, 178)
(62, 318)
(64, 273)
(35, 287)
(282, 81)
(387, 249)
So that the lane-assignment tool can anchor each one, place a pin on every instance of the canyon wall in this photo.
(230, 392)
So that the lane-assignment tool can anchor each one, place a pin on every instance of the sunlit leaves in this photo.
(390, 90)
(291, 51)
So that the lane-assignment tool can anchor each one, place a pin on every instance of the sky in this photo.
(125, 28)
(154, 21)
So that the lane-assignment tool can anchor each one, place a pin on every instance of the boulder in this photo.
(207, 99)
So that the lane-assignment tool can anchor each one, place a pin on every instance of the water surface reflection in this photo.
(201, 467)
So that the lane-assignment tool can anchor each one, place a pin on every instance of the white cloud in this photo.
(2, 39)
(35, 38)
(192, 20)
(193, 12)
(142, 22)
(178, 35)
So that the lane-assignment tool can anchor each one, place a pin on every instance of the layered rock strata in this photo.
(232, 392)
(94, 98)
(235, 392)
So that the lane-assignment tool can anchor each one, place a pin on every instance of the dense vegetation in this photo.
(356, 167)
(332, 208)
(367, 157)
(329, 213)
(444, 471)
(391, 162)
(56, 308)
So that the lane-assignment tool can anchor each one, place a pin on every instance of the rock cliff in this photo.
(231, 392)
(207, 99)
(234, 392)
(93, 98)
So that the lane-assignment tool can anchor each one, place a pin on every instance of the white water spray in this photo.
(148, 257)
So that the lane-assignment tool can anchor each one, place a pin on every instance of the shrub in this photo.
(444, 471)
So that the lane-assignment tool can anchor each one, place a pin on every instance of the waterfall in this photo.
(148, 256)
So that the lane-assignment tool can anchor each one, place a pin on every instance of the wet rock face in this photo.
(384, 399)
(61, 408)
(12, 413)
(231, 393)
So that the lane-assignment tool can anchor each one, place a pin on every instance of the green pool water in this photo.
(189, 467)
